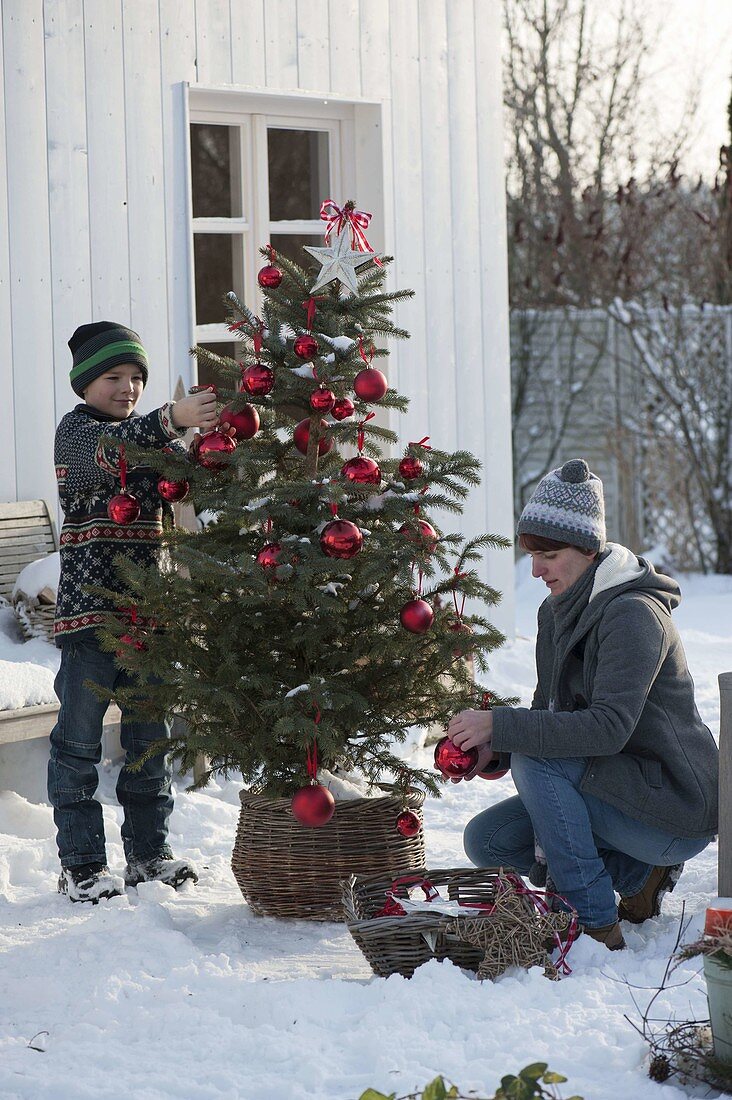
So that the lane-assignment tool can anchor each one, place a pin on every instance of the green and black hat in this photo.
(98, 347)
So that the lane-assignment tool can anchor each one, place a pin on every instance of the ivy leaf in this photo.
(533, 1072)
(551, 1078)
(372, 1094)
(436, 1090)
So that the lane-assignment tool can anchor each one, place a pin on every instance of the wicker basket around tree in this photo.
(284, 869)
(399, 944)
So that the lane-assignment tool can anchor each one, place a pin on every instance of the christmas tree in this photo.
(320, 609)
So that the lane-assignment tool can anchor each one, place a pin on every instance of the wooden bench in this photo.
(27, 533)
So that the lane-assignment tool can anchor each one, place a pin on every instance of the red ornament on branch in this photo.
(257, 380)
(417, 616)
(361, 471)
(425, 533)
(370, 384)
(343, 407)
(305, 346)
(173, 491)
(341, 539)
(212, 447)
(123, 508)
(410, 468)
(408, 824)
(301, 437)
(269, 556)
(270, 277)
(313, 806)
(452, 761)
(322, 400)
(245, 422)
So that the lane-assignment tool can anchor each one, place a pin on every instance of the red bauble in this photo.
(269, 556)
(452, 761)
(306, 346)
(370, 384)
(313, 806)
(362, 471)
(123, 508)
(301, 436)
(245, 422)
(410, 468)
(173, 491)
(257, 380)
(211, 448)
(417, 616)
(322, 400)
(341, 539)
(407, 823)
(426, 533)
(494, 775)
(270, 277)
(342, 408)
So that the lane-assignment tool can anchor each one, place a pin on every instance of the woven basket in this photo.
(35, 619)
(286, 870)
(397, 945)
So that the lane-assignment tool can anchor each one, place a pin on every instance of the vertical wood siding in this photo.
(94, 200)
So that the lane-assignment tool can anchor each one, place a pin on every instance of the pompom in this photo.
(575, 471)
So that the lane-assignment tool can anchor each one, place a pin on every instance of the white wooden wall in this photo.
(94, 201)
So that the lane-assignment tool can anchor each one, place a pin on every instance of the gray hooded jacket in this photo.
(614, 686)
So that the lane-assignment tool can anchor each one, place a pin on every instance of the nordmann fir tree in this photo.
(271, 629)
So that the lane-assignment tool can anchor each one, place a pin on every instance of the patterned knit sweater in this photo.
(88, 477)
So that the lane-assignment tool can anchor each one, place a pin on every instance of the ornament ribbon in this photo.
(122, 467)
(421, 443)
(458, 611)
(362, 353)
(357, 220)
(312, 753)
(361, 434)
(311, 304)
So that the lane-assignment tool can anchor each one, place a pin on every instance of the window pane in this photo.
(215, 174)
(290, 245)
(206, 374)
(218, 259)
(299, 173)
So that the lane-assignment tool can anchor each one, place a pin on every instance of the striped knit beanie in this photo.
(568, 506)
(98, 347)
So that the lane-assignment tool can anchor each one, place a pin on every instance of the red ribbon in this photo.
(357, 220)
(271, 254)
(363, 354)
(257, 337)
(311, 304)
(122, 467)
(422, 443)
(458, 612)
(486, 701)
(334, 509)
(312, 753)
(361, 434)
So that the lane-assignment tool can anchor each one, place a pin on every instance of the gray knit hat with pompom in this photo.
(568, 506)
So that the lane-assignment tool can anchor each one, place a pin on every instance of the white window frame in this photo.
(254, 114)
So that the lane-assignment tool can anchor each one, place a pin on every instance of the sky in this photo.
(696, 39)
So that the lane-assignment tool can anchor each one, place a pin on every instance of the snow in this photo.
(161, 995)
(40, 574)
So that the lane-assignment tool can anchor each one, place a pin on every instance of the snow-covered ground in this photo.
(158, 995)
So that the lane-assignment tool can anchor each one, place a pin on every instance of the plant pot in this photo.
(284, 869)
(719, 994)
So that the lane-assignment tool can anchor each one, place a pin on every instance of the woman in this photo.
(616, 773)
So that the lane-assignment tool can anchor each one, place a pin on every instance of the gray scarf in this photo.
(568, 607)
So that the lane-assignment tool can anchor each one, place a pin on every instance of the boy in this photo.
(109, 372)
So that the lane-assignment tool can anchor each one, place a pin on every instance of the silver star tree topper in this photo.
(339, 262)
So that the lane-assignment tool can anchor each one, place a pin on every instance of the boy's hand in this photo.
(198, 410)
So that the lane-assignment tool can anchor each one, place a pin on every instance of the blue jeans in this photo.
(592, 849)
(76, 749)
